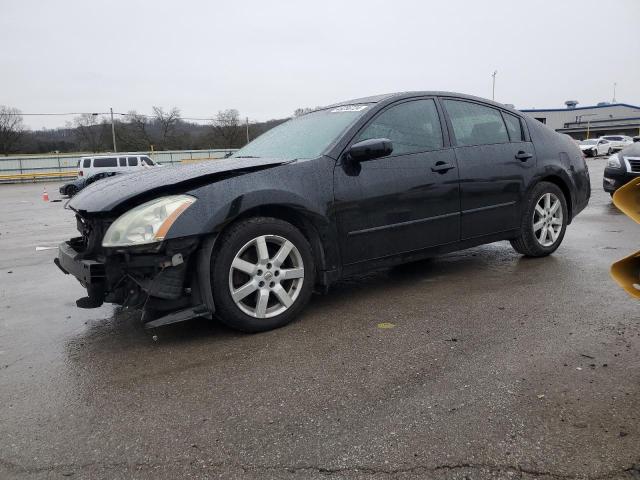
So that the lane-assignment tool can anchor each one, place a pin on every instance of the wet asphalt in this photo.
(494, 366)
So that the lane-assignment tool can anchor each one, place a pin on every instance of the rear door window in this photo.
(514, 127)
(411, 126)
(133, 161)
(475, 124)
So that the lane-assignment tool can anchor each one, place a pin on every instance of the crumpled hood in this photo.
(105, 195)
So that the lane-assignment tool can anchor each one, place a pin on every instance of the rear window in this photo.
(105, 162)
(87, 163)
(514, 127)
(133, 161)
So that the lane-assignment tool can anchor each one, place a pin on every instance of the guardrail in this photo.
(37, 176)
(35, 168)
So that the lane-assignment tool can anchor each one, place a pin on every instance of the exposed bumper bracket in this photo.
(179, 316)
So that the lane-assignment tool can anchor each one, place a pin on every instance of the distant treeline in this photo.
(164, 130)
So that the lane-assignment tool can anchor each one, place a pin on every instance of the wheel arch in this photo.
(300, 219)
(562, 185)
(303, 220)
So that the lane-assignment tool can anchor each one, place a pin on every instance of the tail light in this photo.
(80, 173)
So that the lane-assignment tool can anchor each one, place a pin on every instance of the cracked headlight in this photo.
(613, 161)
(146, 223)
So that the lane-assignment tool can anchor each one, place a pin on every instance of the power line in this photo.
(207, 119)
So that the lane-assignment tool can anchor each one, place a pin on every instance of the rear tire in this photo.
(262, 275)
(544, 222)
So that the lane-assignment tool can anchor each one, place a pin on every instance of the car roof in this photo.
(119, 154)
(387, 97)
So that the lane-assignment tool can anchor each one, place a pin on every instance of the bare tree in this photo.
(226, 127)
(167, 124)
(89, 131)
(138, 133)
(11, 128)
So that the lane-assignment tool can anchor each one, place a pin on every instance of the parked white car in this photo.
(595, 147)
(117, 163)
(618, 142)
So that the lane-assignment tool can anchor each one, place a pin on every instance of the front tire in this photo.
(544, 221)
(71, 190)
(262, 275)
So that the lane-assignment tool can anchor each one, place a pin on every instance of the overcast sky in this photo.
(266, 58)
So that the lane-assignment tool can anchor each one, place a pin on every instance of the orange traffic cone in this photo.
(45, 195)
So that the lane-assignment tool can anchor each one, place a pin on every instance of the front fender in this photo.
(305, 192)
(206, 216)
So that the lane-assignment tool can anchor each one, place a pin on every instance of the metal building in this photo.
(590, 122)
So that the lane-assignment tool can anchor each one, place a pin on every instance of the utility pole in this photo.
(579, 120)
(493, 92)
(614, 92)
(247, 123)
(113, 132)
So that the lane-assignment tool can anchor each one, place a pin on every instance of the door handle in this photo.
(523, 156)
(442, 167)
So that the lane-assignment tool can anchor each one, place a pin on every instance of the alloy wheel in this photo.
(547, 219)
(266, 276)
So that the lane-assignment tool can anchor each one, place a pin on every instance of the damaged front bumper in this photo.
(162, 279)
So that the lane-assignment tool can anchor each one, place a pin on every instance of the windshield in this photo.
(303, 137)
(588, 142)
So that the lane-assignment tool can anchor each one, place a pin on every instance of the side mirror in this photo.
(370, 149)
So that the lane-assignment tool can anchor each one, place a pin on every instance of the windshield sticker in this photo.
(349, 108)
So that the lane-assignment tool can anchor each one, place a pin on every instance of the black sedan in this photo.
(74, 186)
(621, 168)
(355, 186)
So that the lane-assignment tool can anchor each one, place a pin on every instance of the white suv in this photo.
(618, 142)
(117, 163)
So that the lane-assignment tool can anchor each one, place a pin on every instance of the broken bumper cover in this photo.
(161, 281)
(88, 272)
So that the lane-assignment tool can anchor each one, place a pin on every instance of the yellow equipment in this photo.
(627, 271)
